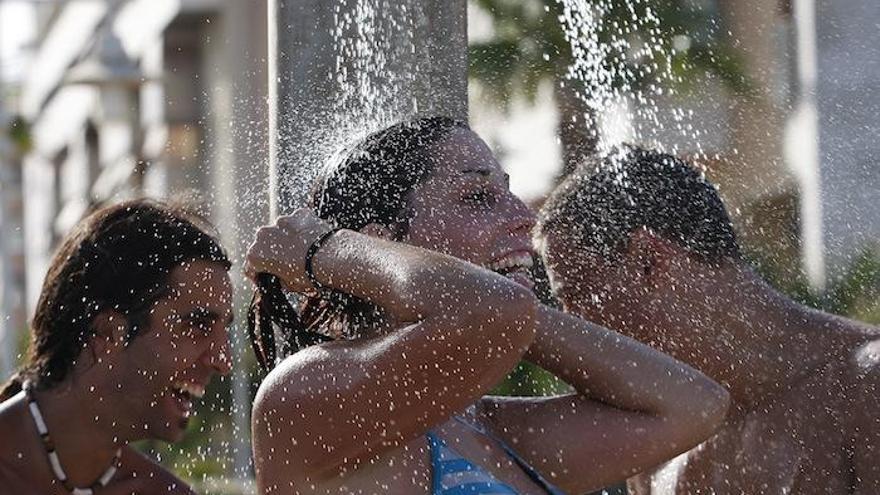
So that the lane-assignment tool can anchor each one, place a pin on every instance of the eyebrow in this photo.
(207, 313)
(485, 172)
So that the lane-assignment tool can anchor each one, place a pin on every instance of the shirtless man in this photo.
(129, 329)
(641, 243)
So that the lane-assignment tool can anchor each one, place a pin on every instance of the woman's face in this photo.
(465, 209)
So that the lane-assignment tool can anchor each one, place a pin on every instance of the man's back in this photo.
(803, 440)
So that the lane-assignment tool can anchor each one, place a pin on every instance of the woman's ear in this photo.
(378, 230)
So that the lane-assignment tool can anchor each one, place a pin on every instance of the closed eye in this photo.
(480, 197)
(203, 325)
(203, 320)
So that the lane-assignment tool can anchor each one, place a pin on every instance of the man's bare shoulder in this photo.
(865, 358)
(856, 370)
(863, 373)
(14, 425)
(159, 479)
(863, 403)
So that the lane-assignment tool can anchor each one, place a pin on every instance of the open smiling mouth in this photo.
(184, 394)
(516, 267)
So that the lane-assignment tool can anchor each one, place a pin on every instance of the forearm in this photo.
(410, 283)
(611, 368)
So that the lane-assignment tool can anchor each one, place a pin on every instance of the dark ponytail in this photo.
(270, 309)
(370, 184)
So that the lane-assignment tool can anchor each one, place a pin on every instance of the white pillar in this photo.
(802, 144)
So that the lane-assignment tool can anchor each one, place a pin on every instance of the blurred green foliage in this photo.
(853, 293)
(20, 134)
(529, 45)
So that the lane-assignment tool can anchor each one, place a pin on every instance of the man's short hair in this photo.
(604, 200)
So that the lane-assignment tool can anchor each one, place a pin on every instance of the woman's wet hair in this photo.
(118, 258)
(601, 203)
(370, 183)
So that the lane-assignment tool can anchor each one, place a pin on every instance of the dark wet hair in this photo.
(370, 183)
(119, 258)
(604, 200)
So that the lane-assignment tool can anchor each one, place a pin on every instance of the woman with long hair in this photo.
(414, 260)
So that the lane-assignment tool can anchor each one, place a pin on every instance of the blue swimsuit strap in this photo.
(443, 467)
(532, 472)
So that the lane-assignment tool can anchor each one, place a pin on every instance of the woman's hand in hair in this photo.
(280, 249)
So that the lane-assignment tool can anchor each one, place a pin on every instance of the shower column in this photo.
(306, 54)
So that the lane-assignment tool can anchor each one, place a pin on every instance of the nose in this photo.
(521, 218)
(217, 355)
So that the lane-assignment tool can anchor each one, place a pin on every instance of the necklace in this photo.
(55, 462)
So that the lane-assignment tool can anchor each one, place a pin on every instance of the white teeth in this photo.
(192, 389)
(523, 261)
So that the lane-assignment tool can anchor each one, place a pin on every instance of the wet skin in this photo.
(804, 384)
(351, 416)
(465, 209)
(127, 393)
(802, 441)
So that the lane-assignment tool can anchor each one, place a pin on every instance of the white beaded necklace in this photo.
(55, 462)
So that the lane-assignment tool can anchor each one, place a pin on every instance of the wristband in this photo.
(310, 255)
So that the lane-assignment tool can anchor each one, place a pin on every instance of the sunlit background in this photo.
(777, 100)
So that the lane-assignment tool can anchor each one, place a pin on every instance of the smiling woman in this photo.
(414, 261)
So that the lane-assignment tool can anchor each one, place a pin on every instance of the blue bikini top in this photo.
(456, 475)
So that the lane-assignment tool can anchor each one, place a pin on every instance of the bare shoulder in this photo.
(297, 371)
(863, 404)
(16, 429)
(863, 371)
(157, 478)
(860, 387)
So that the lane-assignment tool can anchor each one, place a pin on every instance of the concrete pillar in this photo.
(12, 276)
(756, 181)
(235, 72)
(757, 119)
(848, 102)
(339, 69)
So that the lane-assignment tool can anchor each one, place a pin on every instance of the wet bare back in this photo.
(821, 436)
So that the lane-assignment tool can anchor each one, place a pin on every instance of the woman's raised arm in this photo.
(634, 407)
(332, 406)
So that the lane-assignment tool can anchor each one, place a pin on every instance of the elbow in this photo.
(525, 305)
(707, 413)
(515, 311)
(717, 405)
(715, 401)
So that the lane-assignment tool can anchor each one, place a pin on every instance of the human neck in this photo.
(768, 342)
(81, 426)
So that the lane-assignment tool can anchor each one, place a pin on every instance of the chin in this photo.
(168, 430)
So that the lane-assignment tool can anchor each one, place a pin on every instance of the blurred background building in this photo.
(119, 99)
(109, 99)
